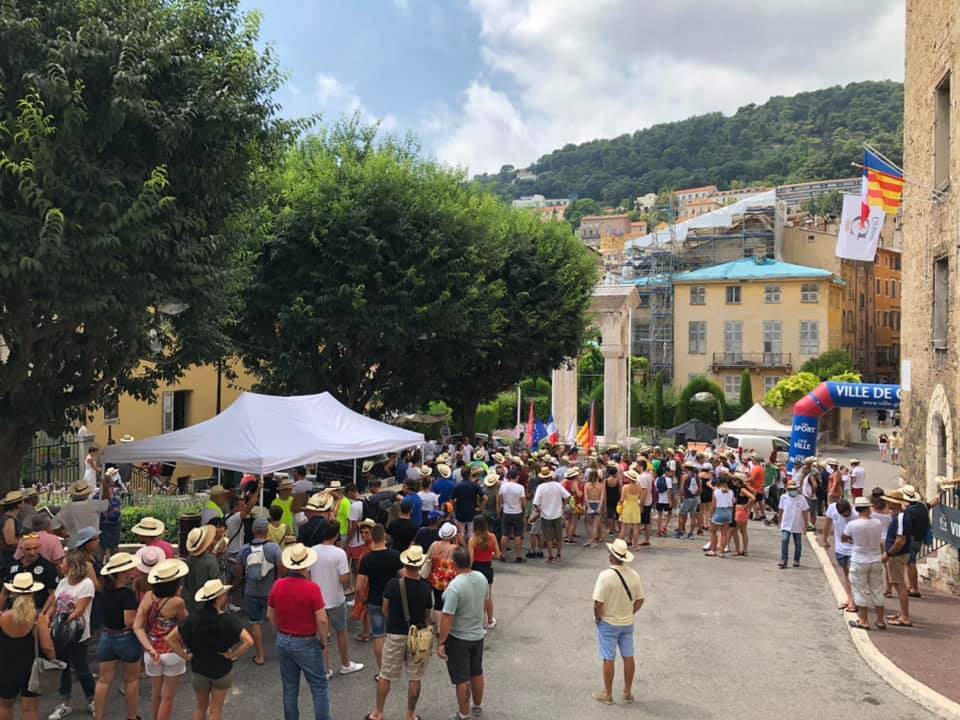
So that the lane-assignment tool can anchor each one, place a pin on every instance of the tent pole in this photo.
(261, 489)
(354, 472)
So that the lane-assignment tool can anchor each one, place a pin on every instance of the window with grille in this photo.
(731, 386)
(810, 293)
(733, 294)
(733, 340)
(697, 338)
(772, 341)
(771, 294)
(809, 337)
(698, 295)
(769, 381)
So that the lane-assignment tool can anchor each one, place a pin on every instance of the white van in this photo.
(763, 445)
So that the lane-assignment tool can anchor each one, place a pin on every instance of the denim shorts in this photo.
(338, 617)
(378, 625)
(256, 609)
(690, 506)
(124, 648)
(722, 516)
(842, 560)
(613, 637)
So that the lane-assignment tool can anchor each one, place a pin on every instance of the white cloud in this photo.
(336, 98)
(562, 71)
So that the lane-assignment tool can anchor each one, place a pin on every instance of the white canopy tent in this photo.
(755, 421)
(262, 434)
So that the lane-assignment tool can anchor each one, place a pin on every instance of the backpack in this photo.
(258, 567)
(693, 486)
(661, 484)
(376, 507)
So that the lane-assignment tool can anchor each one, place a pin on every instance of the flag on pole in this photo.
(859, 234)
(553, 437)
(882, 185)
(572, 432)
(539, 433)
(530, 428)
(587, 436)
(593, 425)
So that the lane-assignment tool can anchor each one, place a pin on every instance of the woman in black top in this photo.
(211, 640)
(118, 643)
(17, 645)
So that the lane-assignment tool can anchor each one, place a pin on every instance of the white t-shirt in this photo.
(846, 483)
(68, 596)
(413, 473)
(792, 508)
(467, 452)
(301, 487)
(646, 482)
(859, 477)
(512, 494)
(549, 498)
(664, 497)
(867, 535)
(807, 489)
(326, 571)
(356, 515)
(884, 519)
(723, 498)
(839, 523)
(428, 500)
(234, 533)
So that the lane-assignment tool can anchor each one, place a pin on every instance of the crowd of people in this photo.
(407, 553)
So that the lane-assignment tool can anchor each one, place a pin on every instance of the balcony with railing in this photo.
(741, 360)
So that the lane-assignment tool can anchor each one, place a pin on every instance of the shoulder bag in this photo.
(419, 640)
(40, 664)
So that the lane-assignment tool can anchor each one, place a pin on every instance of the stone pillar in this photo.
(612, 306)
(563, 397)
(614, 394)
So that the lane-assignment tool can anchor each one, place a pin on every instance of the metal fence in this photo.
(53, 463)
(949, 497)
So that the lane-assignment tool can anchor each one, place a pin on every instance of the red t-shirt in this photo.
(165, 546)
(295, 601)
(757, 477)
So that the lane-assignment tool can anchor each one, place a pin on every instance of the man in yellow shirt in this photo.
(284, 501)
(617, 596)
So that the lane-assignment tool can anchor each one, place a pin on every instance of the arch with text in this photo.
(825, 397)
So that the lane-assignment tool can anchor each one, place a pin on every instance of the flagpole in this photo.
(629, 374)
(883, 157)
(938, 194)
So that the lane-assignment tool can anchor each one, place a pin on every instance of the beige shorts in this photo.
(897, 564)
(396, 658)
(170, 665)
(204, 684)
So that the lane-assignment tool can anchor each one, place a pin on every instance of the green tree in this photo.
(579, 208)
(794, 387)
(830, 363)
(658, 401)
(129, 133)
(698, 385)
(373, 261)
(746, 392)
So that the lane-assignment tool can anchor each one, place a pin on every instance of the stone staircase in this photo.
(941, 570)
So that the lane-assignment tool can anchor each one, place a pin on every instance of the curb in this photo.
(892, 674)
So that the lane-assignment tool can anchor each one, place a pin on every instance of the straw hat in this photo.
(572, 473)
(79, 489)
(894, 496)
(335, 485)
(498, 457)
(298, 557)
(854, 461)
(618, 548)
(118, 563)
(367, 522)
(366, 467)
(285, 484)
(199, 539)
(211, 590)
(127, 438)
(217, 490)
(444, 470)
(632, 475)
(413, 556)
(148, 527)
(23, 584)
(690, 465)
(111, 473)
(791, 484)
(491, 480)
(148, 558)
(910, 494)
(30, 492)
(545, 473)
(168, 570)
(426, 471)
(321, 502)
(14, 497)
(862, 502)
(447, 531)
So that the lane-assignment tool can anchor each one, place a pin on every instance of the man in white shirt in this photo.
(466, 451)
(858, 478)
(548, 501)
(838, 515)
(510, 503)
(866, 565)
(645, 482)
(793, 508)
(332, 573)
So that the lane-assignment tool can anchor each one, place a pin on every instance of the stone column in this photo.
(614, 394)
(563, 397)
(612, 306)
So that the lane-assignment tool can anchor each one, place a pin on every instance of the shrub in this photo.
(165, 509)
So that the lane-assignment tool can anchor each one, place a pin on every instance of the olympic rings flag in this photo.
(825, 397)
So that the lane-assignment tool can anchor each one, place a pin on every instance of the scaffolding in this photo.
(755, 233)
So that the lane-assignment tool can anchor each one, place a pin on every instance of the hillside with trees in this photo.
(810, 136)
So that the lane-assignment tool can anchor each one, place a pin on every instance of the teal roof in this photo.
(751, 269)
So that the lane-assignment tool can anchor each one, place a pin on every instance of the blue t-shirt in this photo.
(443, 488)
(260, 587)
(417, 513)
(900, 525)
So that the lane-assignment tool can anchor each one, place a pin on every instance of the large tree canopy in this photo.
(128, 136)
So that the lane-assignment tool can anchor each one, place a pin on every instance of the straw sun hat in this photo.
(298, 557)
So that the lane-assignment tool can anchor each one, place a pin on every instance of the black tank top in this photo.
(19, 652)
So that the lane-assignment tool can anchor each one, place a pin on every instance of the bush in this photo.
(165, 509)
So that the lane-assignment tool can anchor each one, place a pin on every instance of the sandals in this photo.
(259, 664)
(857, 625)
(709, 553)
(897, 622)
(880, 626)
(361, 638)
(782, 566)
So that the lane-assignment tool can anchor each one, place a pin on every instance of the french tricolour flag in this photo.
(553, 437)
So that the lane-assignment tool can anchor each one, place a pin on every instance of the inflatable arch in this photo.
(825, 397)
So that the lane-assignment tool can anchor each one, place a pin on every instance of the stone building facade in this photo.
(931, 236)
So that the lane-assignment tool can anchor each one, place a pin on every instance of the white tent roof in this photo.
(264, 433)
(755, 421)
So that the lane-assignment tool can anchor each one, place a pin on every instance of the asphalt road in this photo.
(717, 638)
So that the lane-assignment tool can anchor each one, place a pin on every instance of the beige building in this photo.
(764, 316)
(594, 227)
(930, 400)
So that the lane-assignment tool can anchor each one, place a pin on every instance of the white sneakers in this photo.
(61, 711)
(351, 668)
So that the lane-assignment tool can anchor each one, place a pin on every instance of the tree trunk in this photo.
(468, 417)
(14, 443)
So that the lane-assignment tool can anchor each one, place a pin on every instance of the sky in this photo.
(485, 83)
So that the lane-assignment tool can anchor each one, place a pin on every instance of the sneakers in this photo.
(520, 559)
(351, 668)
(61, 711)
(603, 698)
(329, 674)
(476, 711)
(689, 536)
(233, 608)
(92, 708)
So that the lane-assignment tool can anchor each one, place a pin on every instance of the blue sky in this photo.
(488, 82)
